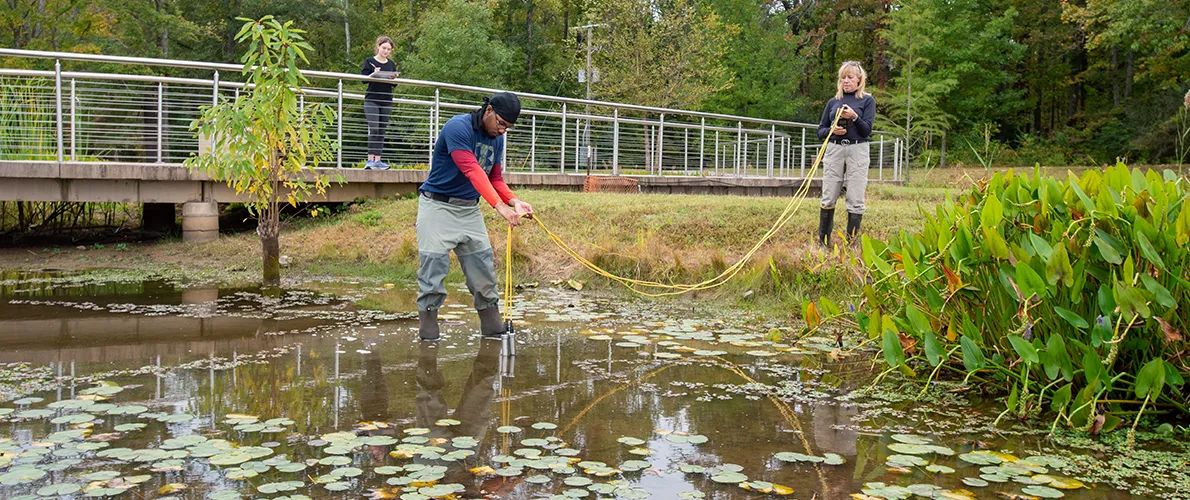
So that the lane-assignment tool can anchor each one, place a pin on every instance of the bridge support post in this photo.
(200, 222)
(159, 217)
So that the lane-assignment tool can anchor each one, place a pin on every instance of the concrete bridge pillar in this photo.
(200, 222)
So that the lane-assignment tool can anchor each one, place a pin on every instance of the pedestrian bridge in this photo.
(78, 136)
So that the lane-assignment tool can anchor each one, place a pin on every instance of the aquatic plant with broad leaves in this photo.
(1067, 295)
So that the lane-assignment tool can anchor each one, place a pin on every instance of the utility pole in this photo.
(590, 76)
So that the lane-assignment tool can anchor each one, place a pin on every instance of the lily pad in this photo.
(234, 458)
(127, 410)
(941, 469)
(379, 441)
(545, 426)
(34, 414)
(634, 465)
(1043, 491)
(577, 481)
(789, 456)
(59, 489)
(833, 459)
(291, 467)
(631, 441)
(103, 475)
(508, 429)
(907, 460)
(602, 488)
(974, 481)
(1065, 483)
(981, 457)
(334, 461)
(270, 488)
(729, 477)
(889, 492)
(910, 439)
(925, 490)
(238, 473)
(337, 486)
(71, 404)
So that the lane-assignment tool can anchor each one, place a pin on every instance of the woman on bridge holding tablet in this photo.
(845, 164)
(378, 102)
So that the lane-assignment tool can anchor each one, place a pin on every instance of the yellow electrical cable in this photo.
(508, 277)
(677, 289)
(670, 289)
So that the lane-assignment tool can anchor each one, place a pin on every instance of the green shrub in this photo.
(1066, 295)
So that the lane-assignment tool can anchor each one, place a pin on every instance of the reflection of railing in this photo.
(146, 118)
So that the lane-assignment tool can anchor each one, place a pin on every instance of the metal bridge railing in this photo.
(103, 116)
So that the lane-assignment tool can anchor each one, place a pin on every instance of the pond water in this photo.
(155, 388)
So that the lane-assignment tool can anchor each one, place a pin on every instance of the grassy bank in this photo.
(662, 237)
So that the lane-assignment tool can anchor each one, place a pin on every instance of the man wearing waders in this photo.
(464, 167)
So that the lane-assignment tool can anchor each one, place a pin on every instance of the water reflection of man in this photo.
(475, 405)
(473, 410)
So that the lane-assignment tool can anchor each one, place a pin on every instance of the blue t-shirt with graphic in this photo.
(445, 176)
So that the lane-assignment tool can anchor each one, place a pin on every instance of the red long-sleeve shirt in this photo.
(490, 186)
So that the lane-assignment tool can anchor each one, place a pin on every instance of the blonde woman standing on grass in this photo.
(845, 164)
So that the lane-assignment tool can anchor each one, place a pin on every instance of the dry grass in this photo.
(678, 238)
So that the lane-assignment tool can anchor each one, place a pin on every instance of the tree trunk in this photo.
(36, 32)
(1115, 77)
(1078, 66)
(22, 224)
(1039, 95)
(1128, 76)
(566, 21)
(529, 40)
(268, 225)
(163, 36)
(229, 36)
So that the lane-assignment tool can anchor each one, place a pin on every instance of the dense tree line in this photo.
(1001, 81)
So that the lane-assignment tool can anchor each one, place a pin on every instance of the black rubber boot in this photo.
(427, 327)
(826, 222)
(490, 324)
(853, 221)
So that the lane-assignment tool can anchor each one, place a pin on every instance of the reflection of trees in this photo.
(270, 390)
(33, 284)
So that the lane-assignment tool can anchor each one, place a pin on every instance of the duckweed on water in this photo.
(266, 454)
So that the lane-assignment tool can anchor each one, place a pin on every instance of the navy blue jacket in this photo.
(859, 129)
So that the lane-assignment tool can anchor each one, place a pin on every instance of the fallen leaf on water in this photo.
(171, 488)
(483, 471)
(383, 493)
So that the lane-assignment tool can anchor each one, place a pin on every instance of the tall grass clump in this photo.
(27, 119)
(1067, 295)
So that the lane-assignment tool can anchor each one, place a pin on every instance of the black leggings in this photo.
(377, 115)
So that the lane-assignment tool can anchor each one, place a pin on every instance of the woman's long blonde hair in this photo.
(859, 72)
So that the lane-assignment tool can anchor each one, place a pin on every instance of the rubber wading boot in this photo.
(826, 222)
(490, 324)
(427, 327)
(853, 221)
